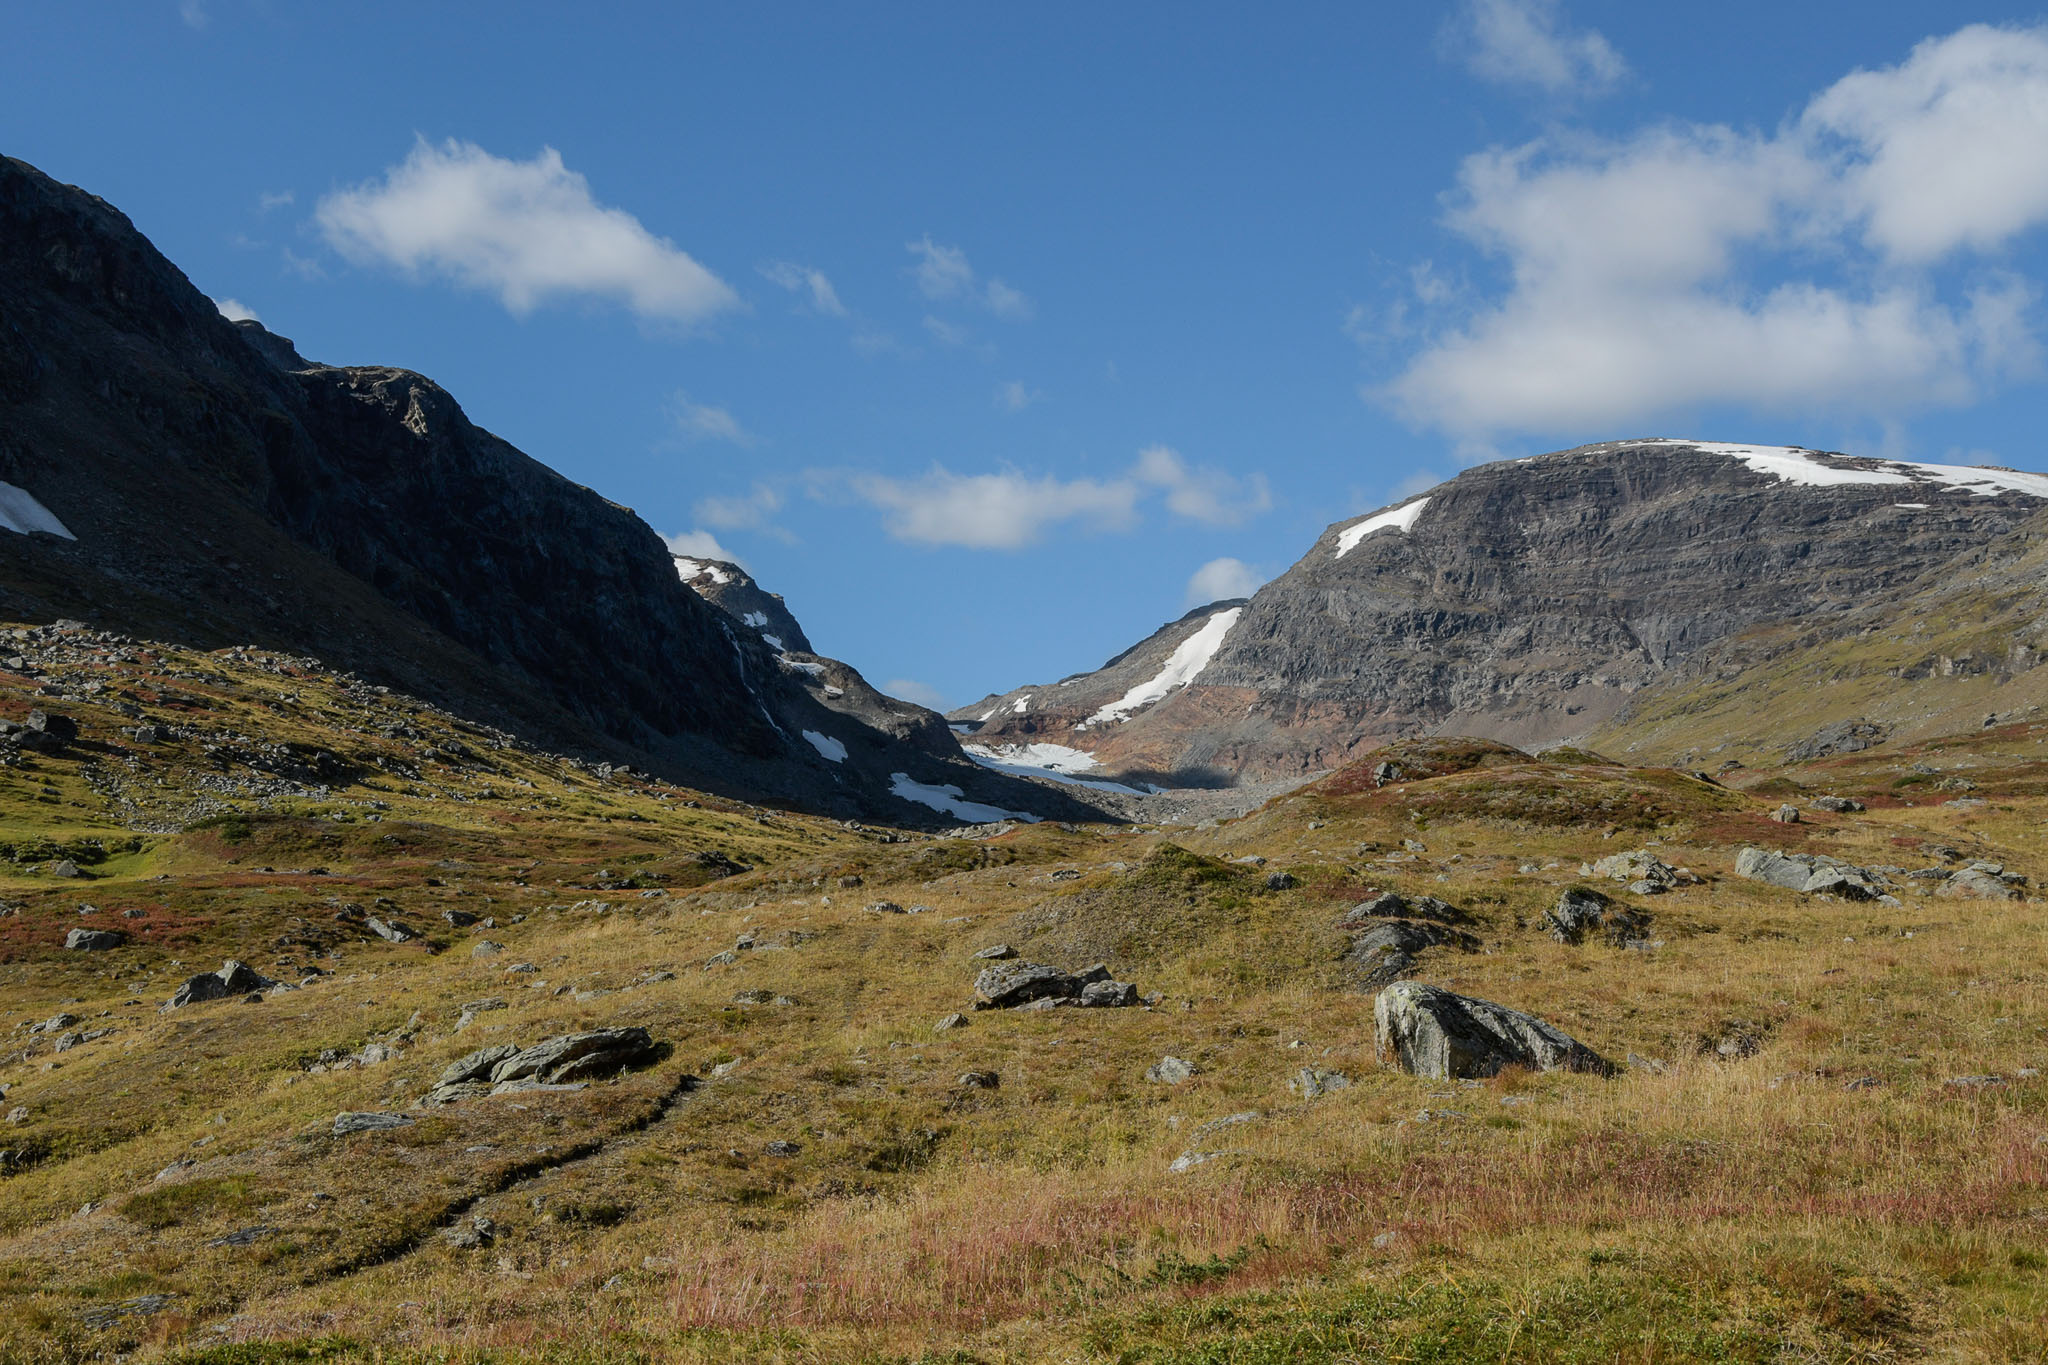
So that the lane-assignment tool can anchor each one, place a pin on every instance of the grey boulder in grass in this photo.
(1435, 1033)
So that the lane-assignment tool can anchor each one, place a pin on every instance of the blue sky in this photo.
(993, 337)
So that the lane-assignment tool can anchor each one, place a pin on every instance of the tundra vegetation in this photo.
(1818, 1133)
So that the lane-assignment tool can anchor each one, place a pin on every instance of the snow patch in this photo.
(1912, 506)
(1796, 465)
(19, 511)
(948, 800)
(688, 569)
(990, 712)
(1055, 762)
(801, 665)
(1400, 518)
(1182, 667)
(1022, 702)
(774, 641)
(756, 619)
(829, 749)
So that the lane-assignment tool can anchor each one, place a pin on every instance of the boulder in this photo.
(1786, 815)
(1393, 905)
(232, 979)
(577, 1056)
(980, 1080)
(1108, 995)
(1170, 1070)
(458, 919)
(56, 727)
(1836, 805)
(391, 931)
(1638, 866)
(367, 1121)
(1313, 1082)
(1581, 913)
(1386, 951)
(1010, 984)
(1808, 872)
(94, 940)
(477, 1065)
(1434, 1033)
(1971, 883)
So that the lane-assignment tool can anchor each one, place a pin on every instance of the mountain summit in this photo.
(1529, 601)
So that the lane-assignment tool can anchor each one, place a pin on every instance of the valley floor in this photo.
(1826, 1138)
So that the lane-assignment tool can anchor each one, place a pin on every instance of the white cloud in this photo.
(1205, 495)
(1945, 149)
(1016, 396)
(706, 422)
(193, 12)
(1665, 272)
(1220, 579)
(1007, 303)
(1525, 42)
(747, 512)
(527, 231)
(909, 689)
(1009, 510)
(234, 310)
(700, 545)
(945, 332)
(943, 274)
(1003, 511)
(267, 200)
(803, 279)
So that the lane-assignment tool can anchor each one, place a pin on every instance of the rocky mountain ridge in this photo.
(209, 485)
(1530, 601)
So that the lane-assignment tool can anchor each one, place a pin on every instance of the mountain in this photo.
(1529, 601)
(173, 475)
(732, 590)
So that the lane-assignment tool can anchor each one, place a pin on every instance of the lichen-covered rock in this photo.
(1808, 872)
(577, 1056)
(1386, 950)
(94, 940)
(1010, 984)
(1432, 1032)
(1977, 883)
(1581, 913)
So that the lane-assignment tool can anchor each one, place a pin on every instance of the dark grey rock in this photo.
(1108, 995)
(370, 1121)
(1010, 984)
(94, 940)
(1581, 913)
(478, 1065)
(1387, 950)
(233, 979)
(577, 1056)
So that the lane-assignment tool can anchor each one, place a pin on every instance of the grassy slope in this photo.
(1703, 1208)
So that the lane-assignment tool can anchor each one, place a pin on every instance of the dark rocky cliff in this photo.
(224, 490)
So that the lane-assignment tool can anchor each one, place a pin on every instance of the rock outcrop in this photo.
(1432, 1032)
(233, 979)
